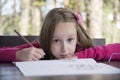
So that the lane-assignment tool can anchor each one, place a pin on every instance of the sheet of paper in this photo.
(64, 67)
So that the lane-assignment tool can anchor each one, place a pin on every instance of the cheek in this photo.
(73, 46)
(55, 49)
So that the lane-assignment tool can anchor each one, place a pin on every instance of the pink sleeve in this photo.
(8, 54)
(101, 52)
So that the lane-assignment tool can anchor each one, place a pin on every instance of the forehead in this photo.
(65, 28)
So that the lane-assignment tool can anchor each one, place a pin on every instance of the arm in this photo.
(101, 52)
(8, 54)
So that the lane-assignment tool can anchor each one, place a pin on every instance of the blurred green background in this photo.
(101, 18)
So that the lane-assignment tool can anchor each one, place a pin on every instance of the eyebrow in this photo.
(67, 36)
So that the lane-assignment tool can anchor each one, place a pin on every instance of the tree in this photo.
(1, 29)
(36, 16)
(94, 18)
(66, 3)
(25, 17)
(78, 6)
(1, 21)
(116, 27)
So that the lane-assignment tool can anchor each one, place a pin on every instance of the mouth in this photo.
(65, 56)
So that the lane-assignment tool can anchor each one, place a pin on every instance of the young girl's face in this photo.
(64, 40)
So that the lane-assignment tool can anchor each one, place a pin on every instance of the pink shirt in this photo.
(97, 53)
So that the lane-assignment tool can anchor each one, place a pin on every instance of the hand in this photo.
(30, 54)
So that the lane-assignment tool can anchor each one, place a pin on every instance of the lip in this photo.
(65, 56)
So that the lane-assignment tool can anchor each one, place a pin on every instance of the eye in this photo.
(70, 39)
(56, 40)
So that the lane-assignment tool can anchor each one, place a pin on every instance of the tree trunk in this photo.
(14, 9)
(66, 3)
(24, 21)
(36, 20)
(116, 27)
(94, 16)
(1, 29)
(78, 5)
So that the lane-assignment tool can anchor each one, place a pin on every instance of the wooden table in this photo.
(9, 71)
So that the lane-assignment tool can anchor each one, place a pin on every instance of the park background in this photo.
(101, 18)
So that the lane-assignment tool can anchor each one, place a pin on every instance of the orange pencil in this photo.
(23, 38)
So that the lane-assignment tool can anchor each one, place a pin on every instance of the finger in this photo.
(41, 52)
(38, 56)
(35, 59)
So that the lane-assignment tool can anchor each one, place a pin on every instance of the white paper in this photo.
(65, 67)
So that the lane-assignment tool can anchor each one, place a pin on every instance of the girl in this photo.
(62, 36)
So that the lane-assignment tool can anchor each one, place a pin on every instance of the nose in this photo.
(65, 48)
